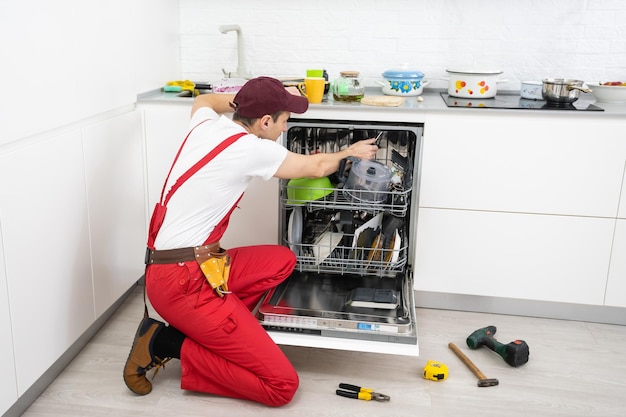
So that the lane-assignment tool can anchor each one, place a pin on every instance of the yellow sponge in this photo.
(185, 85)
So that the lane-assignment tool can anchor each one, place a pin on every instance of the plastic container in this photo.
(368, 182)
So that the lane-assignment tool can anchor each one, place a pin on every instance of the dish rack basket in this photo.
(346, 259)
(395, 202)
(339, 253)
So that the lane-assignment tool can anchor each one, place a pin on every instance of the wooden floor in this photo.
(575, 369)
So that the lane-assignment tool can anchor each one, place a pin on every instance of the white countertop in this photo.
(431, 102)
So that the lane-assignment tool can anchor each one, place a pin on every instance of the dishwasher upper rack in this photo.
(395, 202)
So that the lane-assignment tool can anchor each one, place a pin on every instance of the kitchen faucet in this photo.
(240, 65)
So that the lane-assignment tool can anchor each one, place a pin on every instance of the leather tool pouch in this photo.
(215, 265)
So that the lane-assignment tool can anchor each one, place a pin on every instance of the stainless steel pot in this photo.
(562, 90)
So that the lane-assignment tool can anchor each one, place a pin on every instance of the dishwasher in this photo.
(353, 235)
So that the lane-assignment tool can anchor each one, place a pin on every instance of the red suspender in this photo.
(158, 215)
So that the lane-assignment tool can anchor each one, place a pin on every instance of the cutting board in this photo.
(385, 101)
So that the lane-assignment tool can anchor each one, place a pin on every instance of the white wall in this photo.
(68, 60)
(527, 39)
(156, 43)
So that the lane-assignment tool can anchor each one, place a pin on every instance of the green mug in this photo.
(315, 73)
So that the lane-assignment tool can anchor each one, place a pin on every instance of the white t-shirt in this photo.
(207, 196)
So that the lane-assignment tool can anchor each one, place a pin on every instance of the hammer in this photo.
(514, 353)
(483, 381)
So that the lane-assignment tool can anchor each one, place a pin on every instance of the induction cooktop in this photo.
(511, 101)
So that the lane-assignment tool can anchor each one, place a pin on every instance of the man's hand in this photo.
(220, 103)
(363, 149)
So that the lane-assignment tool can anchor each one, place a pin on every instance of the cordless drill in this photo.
(514, 353)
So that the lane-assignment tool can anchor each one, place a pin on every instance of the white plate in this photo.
(325, 245)
(294, 230)
(373, 223)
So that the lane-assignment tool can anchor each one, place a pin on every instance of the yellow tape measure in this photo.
(435, 371)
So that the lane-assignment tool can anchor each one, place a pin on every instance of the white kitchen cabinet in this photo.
(616, 286)
(165, 127)
(521, 162)
(45, 230)
(622, 204)
(512, 255)
(114, 173)
(255, 221)
(8, 377)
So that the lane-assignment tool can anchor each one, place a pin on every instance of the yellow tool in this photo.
(216, 271)
(360, 393)
(435, 371)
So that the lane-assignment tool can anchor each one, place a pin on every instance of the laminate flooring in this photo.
(575, 369)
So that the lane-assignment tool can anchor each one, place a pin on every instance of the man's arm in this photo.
(220, 103)
(322, 164)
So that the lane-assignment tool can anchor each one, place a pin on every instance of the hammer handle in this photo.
(466, 361)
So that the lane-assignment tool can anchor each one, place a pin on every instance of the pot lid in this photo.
(403, 73)
(474, 71)
(371, 170)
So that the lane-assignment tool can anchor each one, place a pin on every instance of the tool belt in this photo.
(213, 260)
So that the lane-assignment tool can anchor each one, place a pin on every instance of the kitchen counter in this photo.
(504, 197)
(431, 102)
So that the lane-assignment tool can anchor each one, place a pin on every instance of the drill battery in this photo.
(435, 371)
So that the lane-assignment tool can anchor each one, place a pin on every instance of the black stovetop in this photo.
(510, 101)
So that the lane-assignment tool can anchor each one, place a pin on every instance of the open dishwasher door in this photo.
(353, 235)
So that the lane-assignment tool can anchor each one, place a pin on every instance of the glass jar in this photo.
(348, 87)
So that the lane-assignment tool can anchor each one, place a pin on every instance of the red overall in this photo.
(226, 351)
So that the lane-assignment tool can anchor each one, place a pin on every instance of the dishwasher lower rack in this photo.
(346, 240)
(330, 255)
(341, 251)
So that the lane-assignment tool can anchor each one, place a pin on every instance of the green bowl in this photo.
(301, 190)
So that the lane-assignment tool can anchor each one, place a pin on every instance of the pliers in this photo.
(367, 394)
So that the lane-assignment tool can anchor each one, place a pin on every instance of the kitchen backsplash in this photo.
(526, 39)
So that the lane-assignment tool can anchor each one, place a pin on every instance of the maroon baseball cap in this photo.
(266, 95)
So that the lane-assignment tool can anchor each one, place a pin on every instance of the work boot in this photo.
(141, 358)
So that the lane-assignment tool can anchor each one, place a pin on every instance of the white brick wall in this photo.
(527, 39)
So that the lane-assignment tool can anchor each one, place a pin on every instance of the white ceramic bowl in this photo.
(608, 93)
(531, 90)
